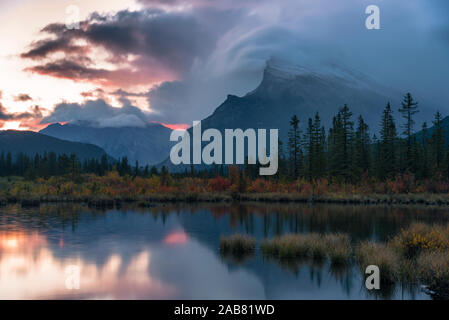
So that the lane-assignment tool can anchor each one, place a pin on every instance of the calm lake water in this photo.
(171, 252)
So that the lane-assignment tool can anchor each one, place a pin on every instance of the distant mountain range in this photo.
(31, 143)
(147, 145)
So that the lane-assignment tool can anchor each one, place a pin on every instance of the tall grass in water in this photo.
(433, 272)
(237, 244)
(381, 255)
(338, 248)
(286, 247)
(419, 238)
(313, 245)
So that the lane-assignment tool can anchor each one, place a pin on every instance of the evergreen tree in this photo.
(408, 109)
(362, 147)
(424, 168)
(388, 143)
(438, 142)
(294, 144)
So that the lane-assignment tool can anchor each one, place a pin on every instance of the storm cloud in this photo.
(144, 46)
(192, 53)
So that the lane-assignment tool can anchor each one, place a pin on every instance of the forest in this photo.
(346, 159)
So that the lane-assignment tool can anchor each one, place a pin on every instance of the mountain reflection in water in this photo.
(171, 252)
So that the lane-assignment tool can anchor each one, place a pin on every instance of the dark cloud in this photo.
(214, 48)
(98, 113)
(23, 97)
(34, 113)
(43, 48)
(163, 44)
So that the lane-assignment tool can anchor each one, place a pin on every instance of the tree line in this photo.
(51, 164)
(348, 152)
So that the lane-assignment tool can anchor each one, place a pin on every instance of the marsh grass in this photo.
(289, 246)
(338, 248)
(237, 245)
(433, 272)
(381, 255)
(420, 238)
(418, 255)
(293, 246)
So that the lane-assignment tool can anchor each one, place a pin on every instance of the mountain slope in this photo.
(287, 90)
(148, 145)
(31, 143)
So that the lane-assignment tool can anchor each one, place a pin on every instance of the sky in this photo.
(133, 62)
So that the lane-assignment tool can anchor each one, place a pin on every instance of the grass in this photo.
(339, 248)
(237, 244)
(419, 238)
(433, 272)
(381, 255)
(286, 247)
(336, 246)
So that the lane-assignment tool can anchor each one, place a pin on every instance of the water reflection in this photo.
(171, 252)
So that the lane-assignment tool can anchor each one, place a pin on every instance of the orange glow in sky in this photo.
(20, 25)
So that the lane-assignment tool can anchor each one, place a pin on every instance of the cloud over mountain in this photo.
(185, 56)
(98, 114)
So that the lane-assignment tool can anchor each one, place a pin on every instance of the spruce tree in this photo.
(362, 147)
(438, 142)
(294, 146)
(408, 109)
(388, 144)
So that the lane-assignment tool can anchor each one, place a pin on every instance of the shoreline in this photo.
(428, 200)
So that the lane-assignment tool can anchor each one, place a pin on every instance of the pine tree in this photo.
(438, 142)
(388, 143)
(408, 109)
(424, 169)
(294, 144)
(309, 151)
(362, 147)
(341, 146)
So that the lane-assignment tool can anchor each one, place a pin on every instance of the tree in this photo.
(314, 146)
(341, 147)
(362, 147)
(437, 142)
(294, 145)
(408, 109)
(388, 143)
(424, 169)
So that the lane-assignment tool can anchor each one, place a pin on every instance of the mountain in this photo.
(286, 90)
(31, 143)
(148, 145)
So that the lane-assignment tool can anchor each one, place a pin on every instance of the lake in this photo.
(171, 251)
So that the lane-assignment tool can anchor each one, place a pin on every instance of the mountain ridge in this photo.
(31, 143)
(147, 145)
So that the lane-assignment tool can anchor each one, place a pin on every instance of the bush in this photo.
(419, 238)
